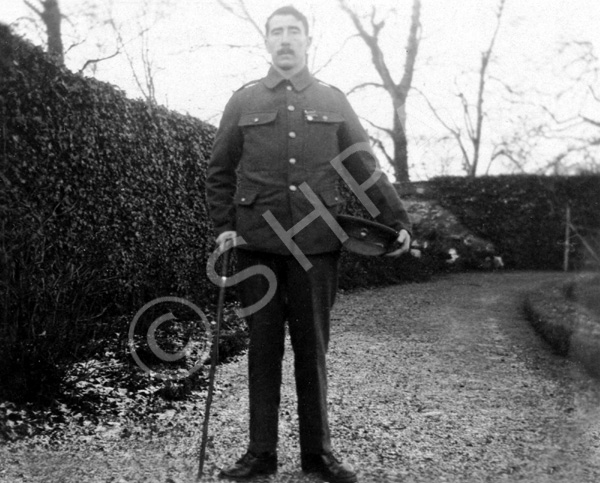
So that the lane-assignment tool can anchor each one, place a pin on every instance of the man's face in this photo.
(287, 42)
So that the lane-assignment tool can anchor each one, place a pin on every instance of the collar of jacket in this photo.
(300, 81)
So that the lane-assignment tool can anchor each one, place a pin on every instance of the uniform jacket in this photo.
(274, 136)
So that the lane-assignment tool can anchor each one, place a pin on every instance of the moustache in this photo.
(285, 51)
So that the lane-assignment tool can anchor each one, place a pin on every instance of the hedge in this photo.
(102, 206)
(524, 215)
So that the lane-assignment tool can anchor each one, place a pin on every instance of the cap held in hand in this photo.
(367, 237)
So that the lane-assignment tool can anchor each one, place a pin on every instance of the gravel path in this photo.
(436, 382)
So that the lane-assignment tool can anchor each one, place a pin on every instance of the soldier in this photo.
(272, 185)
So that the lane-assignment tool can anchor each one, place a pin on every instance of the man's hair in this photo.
(288, 10)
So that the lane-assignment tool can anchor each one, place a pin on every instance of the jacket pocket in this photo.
(262, 149)
(322, 144)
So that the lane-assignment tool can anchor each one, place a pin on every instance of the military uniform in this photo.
(277, 136)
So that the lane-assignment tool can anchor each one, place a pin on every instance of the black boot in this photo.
(251, 465)
(329, 468)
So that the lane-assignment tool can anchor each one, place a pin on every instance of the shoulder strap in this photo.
(328, 85)
(248, 84)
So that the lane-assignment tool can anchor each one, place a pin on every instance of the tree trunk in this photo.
(400, 142)
(397, 91)
(52, 18)
(400, 95)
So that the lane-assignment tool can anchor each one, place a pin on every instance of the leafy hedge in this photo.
(102, 206)
(524, 216)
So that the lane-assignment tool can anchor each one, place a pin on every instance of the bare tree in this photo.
(581, 129)
(137, 47)
(398, 91)
(563, 122)
(62, 32)
(475, 134)
(469, 136)
(144, 79)
(49, 12)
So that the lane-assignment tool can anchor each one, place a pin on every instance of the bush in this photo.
(444, 243)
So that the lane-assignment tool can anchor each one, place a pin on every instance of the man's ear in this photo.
(267, 45)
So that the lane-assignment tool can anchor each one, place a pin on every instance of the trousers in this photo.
(304, 300)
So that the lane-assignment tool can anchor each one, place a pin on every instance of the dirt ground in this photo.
(442, 381)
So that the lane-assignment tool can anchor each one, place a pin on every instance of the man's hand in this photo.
(404, 240)
(225, 240)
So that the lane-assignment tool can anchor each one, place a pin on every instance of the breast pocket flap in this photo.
(331, 198)
(257, 118)
(323, 116)
(245, 198)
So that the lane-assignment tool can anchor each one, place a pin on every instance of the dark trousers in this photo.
(303, 299)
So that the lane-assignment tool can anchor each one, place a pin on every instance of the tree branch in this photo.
(245, 15)
(379, 143)
(372, 41)
(467, 116)
(386, 130)
(591, 121)
(73, 45)
(455, 132)
(364, 85)
(95, 61)
(332, 56)
(34, 8)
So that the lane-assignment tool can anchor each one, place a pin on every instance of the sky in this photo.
(196, 69)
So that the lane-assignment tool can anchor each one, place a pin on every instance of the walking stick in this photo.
(213, 363)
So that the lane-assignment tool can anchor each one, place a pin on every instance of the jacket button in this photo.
(289, 88)
(291, 108)
(292, 160)
(243, 199)
(256, 119)
(325, 118)
(292, 134)
(293, 188)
